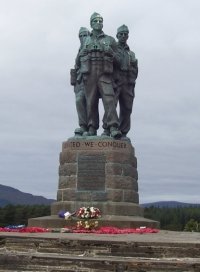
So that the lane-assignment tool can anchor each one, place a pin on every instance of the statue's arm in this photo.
(116, 55)
(135, 68)
(75, 71)
(134, 64)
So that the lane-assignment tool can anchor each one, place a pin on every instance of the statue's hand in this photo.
(108, 51)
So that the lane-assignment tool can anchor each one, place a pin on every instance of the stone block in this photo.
(130, 196)
(114, 169)
(128, 170)
(106, 208)
(135, 186)
(68, 157)
(115, 195)
(83, 196)
(91, 183)
(133, 161)
(99, 196)
(68, 169)
(122, 208)
(118, 157)
(69, 194)
(67, 182)
(60, 195)
(121, 182)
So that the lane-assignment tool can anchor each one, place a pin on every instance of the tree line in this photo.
(19, 214)
(177, 219)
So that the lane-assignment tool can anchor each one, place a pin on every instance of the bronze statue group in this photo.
(108, 70)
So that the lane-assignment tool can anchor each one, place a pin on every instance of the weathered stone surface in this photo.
(99, 196)
(115, 195)
(14, 244)
(130, 171)
(121, 170)
(68, 169)
(68, 157)
(118, 157)
(83, 196)
(88, 196)
(60, 195)
(69, 195)
(67, 182)
(162, 252)
(107, 208)
(123, 208)
(101, 173)
(121, 182)
(130, 196)
(97, 143)
(114, 169)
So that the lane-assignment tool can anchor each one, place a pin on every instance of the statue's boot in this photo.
(79, 131)
(115, 133)
(91, 132)
(106, 132)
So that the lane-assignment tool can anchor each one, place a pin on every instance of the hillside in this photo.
(10, 195)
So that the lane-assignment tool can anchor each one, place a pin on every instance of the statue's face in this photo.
(82, 36)
(97, 23)
(122, 37)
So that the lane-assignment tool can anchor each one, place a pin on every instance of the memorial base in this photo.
(98, 172)
(53, 221)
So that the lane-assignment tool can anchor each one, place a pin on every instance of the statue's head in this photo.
(96, 21)
(122, 34)
(83, 33)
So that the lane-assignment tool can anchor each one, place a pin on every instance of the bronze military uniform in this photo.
(125, 76)
(97, 70)
(79, 87)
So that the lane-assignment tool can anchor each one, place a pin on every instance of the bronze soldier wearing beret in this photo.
(96, 59)
(126, 72)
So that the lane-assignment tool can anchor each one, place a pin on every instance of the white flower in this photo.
(67, 215)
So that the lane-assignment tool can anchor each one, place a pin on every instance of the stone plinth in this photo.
(99, 172)
(157, 252)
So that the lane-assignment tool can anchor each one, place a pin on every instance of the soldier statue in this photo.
(96, 58)
(125, 75)
(79, 88)
(108, 70)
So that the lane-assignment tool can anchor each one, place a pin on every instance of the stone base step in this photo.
(56, 262)
(54, 252)
(54, 221)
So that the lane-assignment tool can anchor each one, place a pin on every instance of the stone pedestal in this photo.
(99, 172)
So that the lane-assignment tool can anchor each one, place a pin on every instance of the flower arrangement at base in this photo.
(87, 216)
(87, 224)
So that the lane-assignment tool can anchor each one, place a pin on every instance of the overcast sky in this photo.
(38, 45)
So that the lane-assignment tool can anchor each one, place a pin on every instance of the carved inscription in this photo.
(91, 172)
(86, 145)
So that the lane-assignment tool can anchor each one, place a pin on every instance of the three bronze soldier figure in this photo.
(107, 70)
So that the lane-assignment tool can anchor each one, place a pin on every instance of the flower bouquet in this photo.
(88, 216)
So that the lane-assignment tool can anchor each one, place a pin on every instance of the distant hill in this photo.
(10, 195)
(168, 204)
